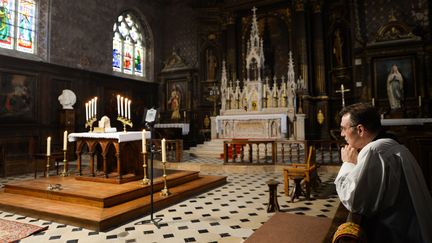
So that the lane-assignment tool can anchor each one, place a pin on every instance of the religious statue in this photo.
(211, 65)
(337, 48)
(67, 99)
(395, 87)
(174, 101)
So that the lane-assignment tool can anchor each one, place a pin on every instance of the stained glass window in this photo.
(128, 46)
(17, 25)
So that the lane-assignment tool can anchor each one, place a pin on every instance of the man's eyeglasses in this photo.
(346, 128)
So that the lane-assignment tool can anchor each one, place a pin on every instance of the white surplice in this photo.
(388, 189)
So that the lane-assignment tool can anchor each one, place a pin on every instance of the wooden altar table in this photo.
(119, 149)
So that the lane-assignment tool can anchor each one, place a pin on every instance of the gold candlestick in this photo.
(89, 123)
(125, 121)
(48, 165)
(164, 192)
(145, 180)
(65, 167)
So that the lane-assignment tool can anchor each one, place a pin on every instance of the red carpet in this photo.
(11, 231)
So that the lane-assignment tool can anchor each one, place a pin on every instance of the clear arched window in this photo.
(128, 46)
(17, 25)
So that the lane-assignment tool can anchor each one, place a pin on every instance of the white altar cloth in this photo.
(282, 117)
(184, 126)
(405, 121)
(120, 136)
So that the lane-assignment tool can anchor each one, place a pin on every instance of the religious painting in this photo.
(17, 96)
(176, 97)
(394, 79)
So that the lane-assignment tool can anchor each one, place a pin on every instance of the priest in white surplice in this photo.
(381, 180)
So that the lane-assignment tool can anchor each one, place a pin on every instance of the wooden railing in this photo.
(257, 152)
(262, 152)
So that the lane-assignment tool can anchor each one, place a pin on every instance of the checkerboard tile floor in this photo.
(230, 213)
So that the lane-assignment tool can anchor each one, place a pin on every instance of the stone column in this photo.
(231, 58)
(319, 68)
(301, 43)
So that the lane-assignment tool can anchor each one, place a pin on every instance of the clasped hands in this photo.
(349, 154)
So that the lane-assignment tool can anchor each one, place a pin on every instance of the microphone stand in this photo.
(152, 151)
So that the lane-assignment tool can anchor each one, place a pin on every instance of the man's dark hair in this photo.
(365, 114)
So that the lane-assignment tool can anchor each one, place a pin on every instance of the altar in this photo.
(114, 157)
(260, 107)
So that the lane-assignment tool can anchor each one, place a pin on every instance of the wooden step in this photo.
(95, 217)
(95, 194)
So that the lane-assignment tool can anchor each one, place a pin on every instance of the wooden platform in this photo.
(99, 206)
(286, 227)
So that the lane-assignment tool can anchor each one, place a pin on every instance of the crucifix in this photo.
(342, 90)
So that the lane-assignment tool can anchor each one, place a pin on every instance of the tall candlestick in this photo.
(129, 105)
(143, 137)
(163, 145)
(48, 153)
(118, 105)
(373, 102)
(121, 106)
(87, 112)
(419, 101)
(65, 134)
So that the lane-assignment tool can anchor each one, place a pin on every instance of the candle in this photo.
(87, 112)
(419, 101)
(121, 106)
(163, 145)
(144, 149)
(91, 108)
(129, 105)
(118, 105)
(373, 102)
(265, 91)
(95, 107)
(48, 153)
(125, 107)
(65, 140)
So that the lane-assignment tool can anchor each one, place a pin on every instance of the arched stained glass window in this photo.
(17, 25)
(128, 46)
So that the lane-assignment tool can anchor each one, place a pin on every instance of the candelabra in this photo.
(125, 121)
(89, 123)
(48, 165)
(65, 166)
(145, 180)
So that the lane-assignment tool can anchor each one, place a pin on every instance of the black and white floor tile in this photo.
(230, 213)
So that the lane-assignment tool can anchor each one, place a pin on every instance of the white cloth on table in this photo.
(183, 126)
(120, 136)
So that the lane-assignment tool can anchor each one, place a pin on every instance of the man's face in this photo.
(350, 132)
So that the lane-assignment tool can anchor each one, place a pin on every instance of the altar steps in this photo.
(214, 149)
(99, 206)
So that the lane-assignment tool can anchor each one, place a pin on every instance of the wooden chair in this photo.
(306, 172)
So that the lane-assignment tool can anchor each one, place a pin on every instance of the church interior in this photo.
(198, 121)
